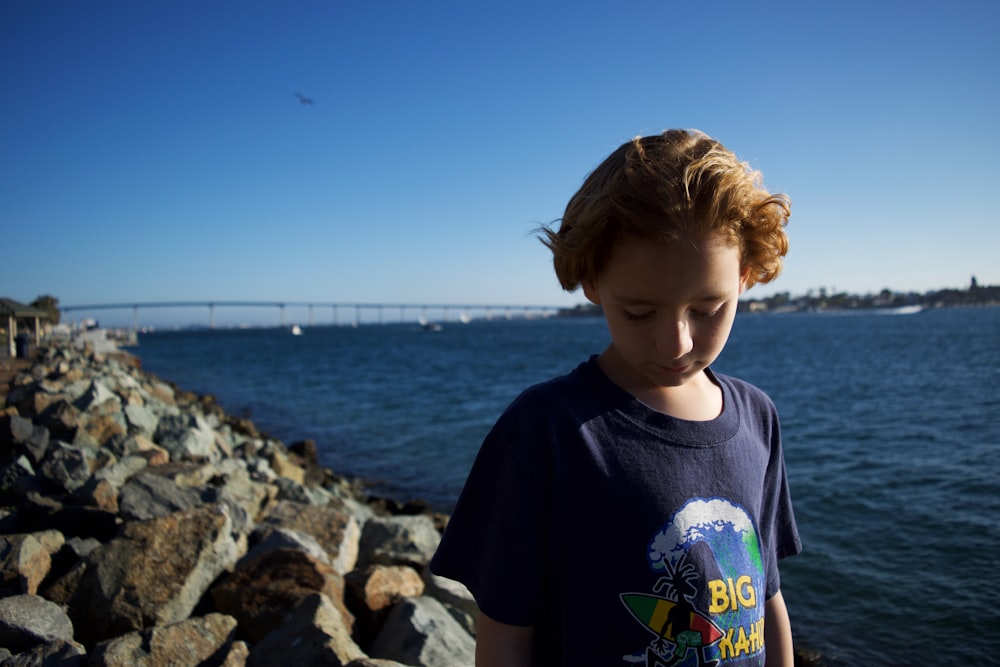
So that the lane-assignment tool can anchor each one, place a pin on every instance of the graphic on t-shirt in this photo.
(705, 608)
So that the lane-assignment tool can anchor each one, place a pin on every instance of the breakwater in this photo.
(144, 525)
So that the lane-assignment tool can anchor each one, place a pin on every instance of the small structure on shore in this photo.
(13, 315)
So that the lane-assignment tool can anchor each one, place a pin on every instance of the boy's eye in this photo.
(638, 317)
(707, 313)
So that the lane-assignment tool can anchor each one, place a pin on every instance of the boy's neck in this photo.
(697, 399)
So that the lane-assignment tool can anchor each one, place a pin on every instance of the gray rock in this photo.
(455, 597)
(151, 495)
(29, 620)
(96, 394)
(399, 540)
(140, 419)
(420, 631)
(187, 438)
(70, 466)
(21, 434)
(52, 654)
(11, 474)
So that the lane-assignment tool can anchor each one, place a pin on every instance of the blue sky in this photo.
(155, 151)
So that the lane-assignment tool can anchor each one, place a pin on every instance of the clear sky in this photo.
(155, 150)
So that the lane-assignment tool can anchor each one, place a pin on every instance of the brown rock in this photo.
(381, 586)
(194, 641)
(331, 525)
(24, 564)
(103, 427)
(261, 591)
(154, 573)
(312, 634)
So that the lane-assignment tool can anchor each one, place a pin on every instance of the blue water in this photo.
(891, 426)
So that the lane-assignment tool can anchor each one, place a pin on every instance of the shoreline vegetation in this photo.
(823, 300)
(141, 523)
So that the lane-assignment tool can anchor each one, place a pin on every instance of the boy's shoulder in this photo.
(584, 386)
(744, 392)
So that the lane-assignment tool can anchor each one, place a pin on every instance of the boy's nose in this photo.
(675, 339)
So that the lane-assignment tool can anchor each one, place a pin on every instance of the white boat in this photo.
(296, 330)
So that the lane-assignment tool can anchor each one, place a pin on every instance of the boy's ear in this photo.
(590, 291)
(745, 280)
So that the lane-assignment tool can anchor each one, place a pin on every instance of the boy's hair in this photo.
(677, 185)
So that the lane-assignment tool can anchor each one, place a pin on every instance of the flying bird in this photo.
(305, 100)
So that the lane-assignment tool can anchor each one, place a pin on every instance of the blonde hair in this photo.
(680, 184)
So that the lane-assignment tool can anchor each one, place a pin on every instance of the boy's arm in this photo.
(502, 645)
(777, 633)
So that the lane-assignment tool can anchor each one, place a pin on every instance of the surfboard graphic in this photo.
(652, 611)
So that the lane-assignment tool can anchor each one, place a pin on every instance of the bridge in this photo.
(422, 312)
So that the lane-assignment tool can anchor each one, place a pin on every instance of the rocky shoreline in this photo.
(142, 525)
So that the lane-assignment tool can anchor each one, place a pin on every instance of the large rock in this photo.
(187, 438)
(266, 587)
(24, 564)
(336, 530)
(29, 620)
(58, 653)
(320, 638)
(153, 574)
(399, 540)
(194, 641)
(19, 435)
(420, 631)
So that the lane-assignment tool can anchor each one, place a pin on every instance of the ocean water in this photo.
(891, 426)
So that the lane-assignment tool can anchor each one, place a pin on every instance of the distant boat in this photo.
(902, 310)
(296, 330)
(429, 326)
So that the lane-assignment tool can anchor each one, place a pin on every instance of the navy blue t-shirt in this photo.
(624, 535)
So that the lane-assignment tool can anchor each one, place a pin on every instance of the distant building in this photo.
(16, 317)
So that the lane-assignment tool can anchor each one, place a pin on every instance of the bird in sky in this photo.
(305, 100)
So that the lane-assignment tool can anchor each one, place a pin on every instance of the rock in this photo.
(24, 564)
(11, 476)
(331, 525)
(29, 620)
(320, 638)
(154, 573)
(53, 654)
(150, 495)
(194, 641)
(420, 631)
(399, 540)
(380, 586)
(70, 466)
(455, 597)
(263, 589)
(186, 438)
(96, 394)
(61, 418)
(21, 436)
(285, 468)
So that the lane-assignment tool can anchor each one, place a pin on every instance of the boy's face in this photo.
(669, 309)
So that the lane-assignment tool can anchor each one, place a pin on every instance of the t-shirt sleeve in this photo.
(781, 531)
(495, 541)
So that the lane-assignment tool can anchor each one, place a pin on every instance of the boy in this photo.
(633, 511)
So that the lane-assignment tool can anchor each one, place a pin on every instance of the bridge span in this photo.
(380, 313)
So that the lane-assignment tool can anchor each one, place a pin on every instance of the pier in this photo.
(333, 313)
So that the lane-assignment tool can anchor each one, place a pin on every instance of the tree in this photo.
(49, 304)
